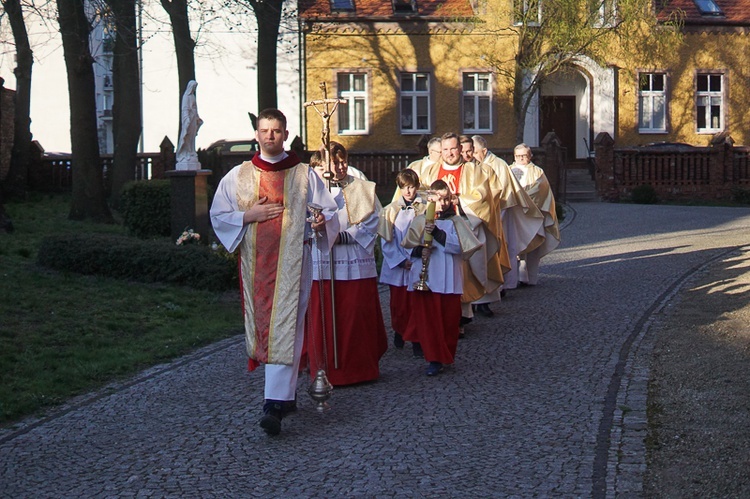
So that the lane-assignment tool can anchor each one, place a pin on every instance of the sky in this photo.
(225, 72)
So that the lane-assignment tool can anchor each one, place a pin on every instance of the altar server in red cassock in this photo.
(261, 207)
(353, 355)
(396, 268)
(436, 314)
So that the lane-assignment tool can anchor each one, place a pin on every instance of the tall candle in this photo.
(430, 217)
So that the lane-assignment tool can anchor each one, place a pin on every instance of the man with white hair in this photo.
(536, 185)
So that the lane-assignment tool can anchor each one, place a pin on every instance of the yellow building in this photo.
(406, 69)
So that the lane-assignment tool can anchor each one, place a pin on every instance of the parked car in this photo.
(240, 145)
(677, 146)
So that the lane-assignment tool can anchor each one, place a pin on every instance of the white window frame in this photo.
(476, 97)
(604, 13)
(648, 100)
(353, 97)
(524, 9)
(712, 95)
(414, 96)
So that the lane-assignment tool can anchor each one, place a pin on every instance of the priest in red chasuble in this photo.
(478, 204)
(261, 208)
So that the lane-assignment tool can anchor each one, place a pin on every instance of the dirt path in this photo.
(699, 393)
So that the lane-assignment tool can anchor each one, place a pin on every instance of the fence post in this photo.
(166, 160)
(721, 167)
(554, 168)
(604, 154)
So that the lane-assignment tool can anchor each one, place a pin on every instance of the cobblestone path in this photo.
(546, 398)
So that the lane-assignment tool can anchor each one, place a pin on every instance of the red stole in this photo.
(271, 240)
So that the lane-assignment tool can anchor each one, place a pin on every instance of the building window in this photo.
(652, 102)
(708, 8)
(477, 102)
(342, 5)
(404, 6)
(415, 102)
(709, 99)
(352, 88)
(527, 12)
(604, 13)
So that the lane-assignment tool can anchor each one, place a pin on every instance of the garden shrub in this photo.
(644, 194)
(740, 195)
(560, 212)
(146, 208)
(193, 265)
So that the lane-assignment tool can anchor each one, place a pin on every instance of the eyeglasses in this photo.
(521, 155)
(435, 151)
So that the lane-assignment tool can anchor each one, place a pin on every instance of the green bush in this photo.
(560, 212)
(193, 265)
(146, 208)
(644, 194)
(740, 195)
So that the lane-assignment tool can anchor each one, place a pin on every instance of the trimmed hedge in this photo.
(644, 194)
(193, 265)
(146, 208)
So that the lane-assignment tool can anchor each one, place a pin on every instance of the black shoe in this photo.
(398, 340)
(522, 284)
(502, 293)
(461, 333)
(416, 350)
(288, 407)
(484, 309)
(465, 320)
(434, 369)
(272, 415)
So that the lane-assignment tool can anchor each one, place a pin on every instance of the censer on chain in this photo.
(320, 389)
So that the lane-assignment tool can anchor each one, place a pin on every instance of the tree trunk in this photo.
(16, 182)
(88, 199)
(6, 224)
(518, 108)
(126, 109)
(268, 15)
(184, 48)
(523, 92)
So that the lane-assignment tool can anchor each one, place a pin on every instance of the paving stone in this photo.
(532, 407)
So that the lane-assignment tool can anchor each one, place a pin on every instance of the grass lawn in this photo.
(64, 334)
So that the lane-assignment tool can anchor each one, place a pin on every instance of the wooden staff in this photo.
(325, 108)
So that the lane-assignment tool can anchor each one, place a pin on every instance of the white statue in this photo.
(187, 158)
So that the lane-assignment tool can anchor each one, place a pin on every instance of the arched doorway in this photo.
(565, 109)
(594, 89)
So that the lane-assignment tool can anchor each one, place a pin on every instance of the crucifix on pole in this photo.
(325, 108)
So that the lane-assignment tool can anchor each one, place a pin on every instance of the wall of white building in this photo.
(225, 72)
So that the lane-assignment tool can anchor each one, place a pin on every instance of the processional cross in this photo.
(325, 108)
(320, 389)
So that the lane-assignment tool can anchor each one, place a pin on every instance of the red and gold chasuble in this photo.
(451, 177)
(271, 256)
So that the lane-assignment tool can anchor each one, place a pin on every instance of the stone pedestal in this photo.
(189, 200)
